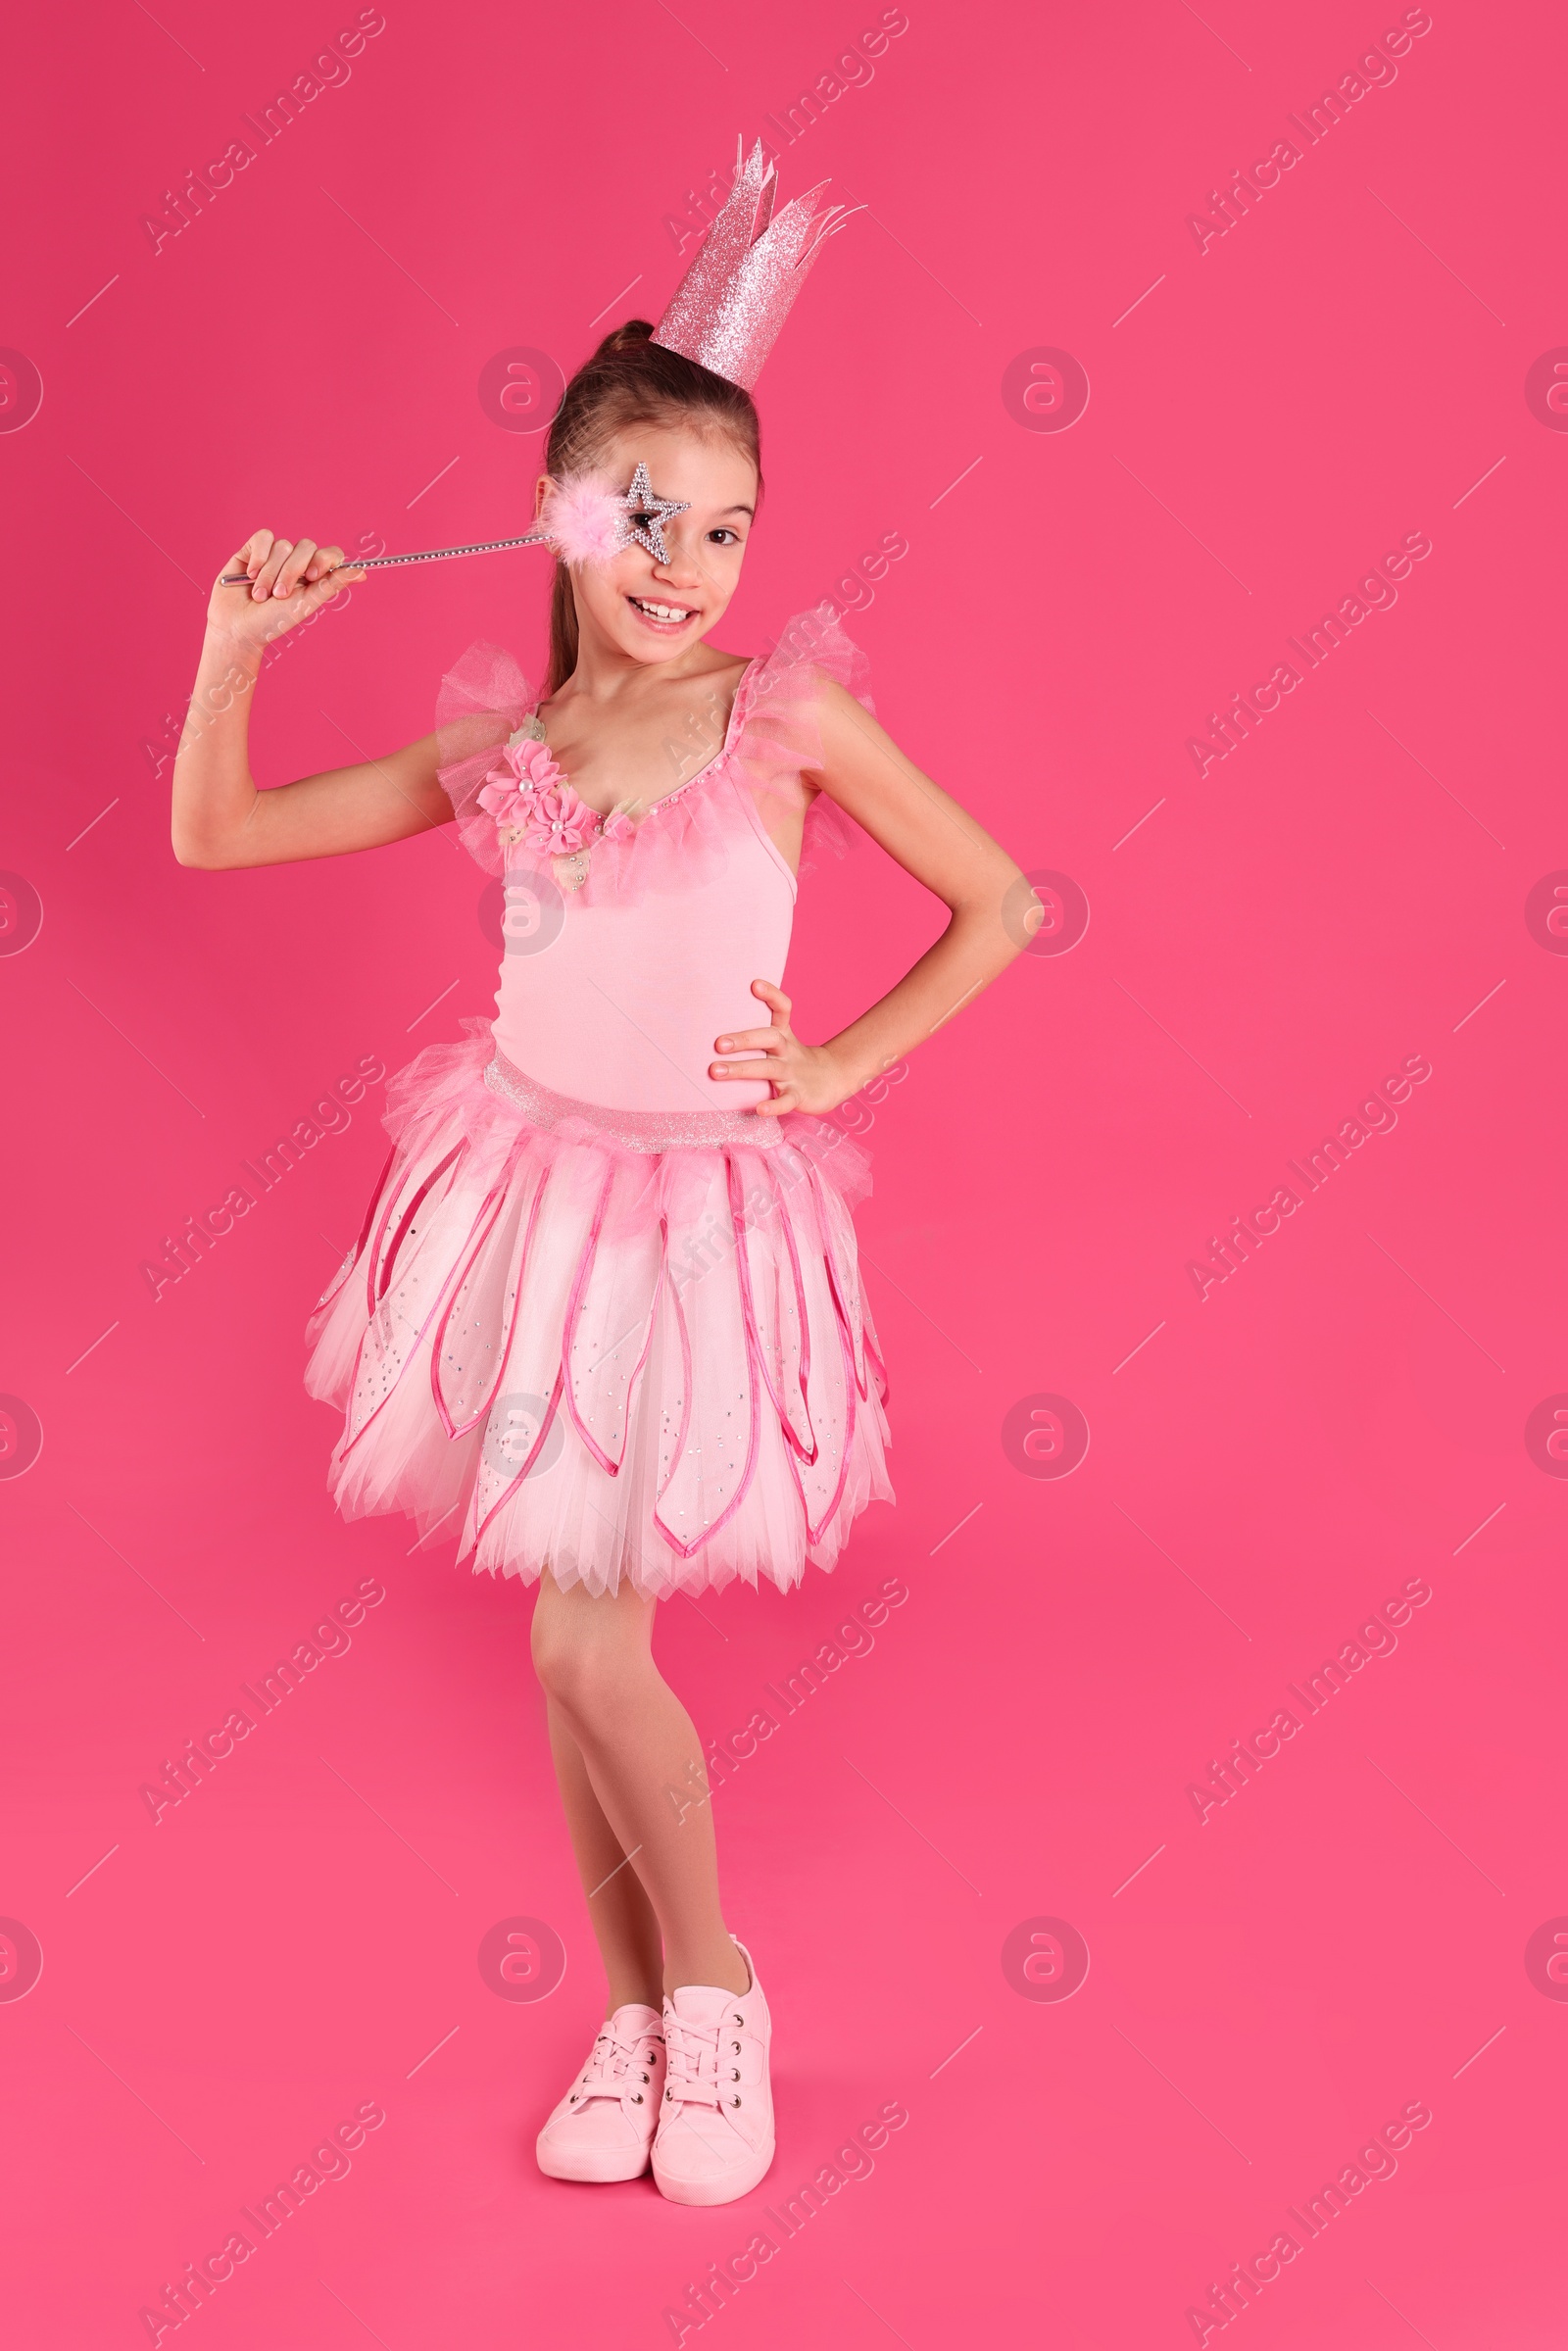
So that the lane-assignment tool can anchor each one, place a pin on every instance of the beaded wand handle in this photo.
(431, 555)
(583, 519)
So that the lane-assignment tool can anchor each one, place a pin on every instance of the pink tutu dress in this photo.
(601, 1318)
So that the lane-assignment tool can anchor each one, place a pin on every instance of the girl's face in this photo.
(648, 610)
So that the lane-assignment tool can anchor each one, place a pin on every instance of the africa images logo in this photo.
(1045, 1436)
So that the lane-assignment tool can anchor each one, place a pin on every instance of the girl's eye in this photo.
(724, 536)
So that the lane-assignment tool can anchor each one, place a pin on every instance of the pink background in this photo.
(1347, 1935)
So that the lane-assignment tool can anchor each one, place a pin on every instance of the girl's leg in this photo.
(643, 1765)
(623, 1918)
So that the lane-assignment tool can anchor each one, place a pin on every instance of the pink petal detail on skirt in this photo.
(455, 1419)
(815, 1531)
(579, 1420)
(805, 1451)
(358, 1251)
(583, 1351)
(380, 1270)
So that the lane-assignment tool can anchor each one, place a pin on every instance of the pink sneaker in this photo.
(604, 2127)
(716, 2121)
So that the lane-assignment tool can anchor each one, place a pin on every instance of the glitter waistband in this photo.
(631, 1130)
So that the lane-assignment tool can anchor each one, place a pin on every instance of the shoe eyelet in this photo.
(637, 2098)
(734, 2101)
(734, 2073)
(736, 2046)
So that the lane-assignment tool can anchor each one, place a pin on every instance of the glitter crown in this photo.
(732, 301)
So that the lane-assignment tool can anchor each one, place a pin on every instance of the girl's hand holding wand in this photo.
(218, 818)
(285, 581)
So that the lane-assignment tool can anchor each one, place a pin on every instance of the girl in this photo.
(604, 1318)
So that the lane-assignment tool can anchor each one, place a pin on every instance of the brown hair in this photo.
(632, 380)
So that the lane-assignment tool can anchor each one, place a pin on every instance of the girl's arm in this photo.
(219, 817)
(992, 908)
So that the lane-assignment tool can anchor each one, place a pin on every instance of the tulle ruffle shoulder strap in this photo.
(777, 734)
(484, 699)
(778, 741)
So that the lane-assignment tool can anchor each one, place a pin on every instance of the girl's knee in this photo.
(589, 1654)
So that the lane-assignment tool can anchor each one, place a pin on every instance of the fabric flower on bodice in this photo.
(532, 801)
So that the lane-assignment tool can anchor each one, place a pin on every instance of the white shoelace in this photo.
(693, 2075)
(610, 2061)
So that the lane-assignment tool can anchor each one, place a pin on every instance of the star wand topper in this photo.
(582, 520)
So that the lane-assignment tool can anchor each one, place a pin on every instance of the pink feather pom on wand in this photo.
(582, 521)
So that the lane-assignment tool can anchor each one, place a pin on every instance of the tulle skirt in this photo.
(610, 1344)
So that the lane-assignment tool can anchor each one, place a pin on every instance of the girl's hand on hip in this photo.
(286, 581)
(804, 1077)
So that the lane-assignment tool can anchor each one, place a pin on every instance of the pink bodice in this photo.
(624, 961)
(621, 1003)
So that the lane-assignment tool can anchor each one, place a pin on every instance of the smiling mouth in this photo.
(663, 615)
